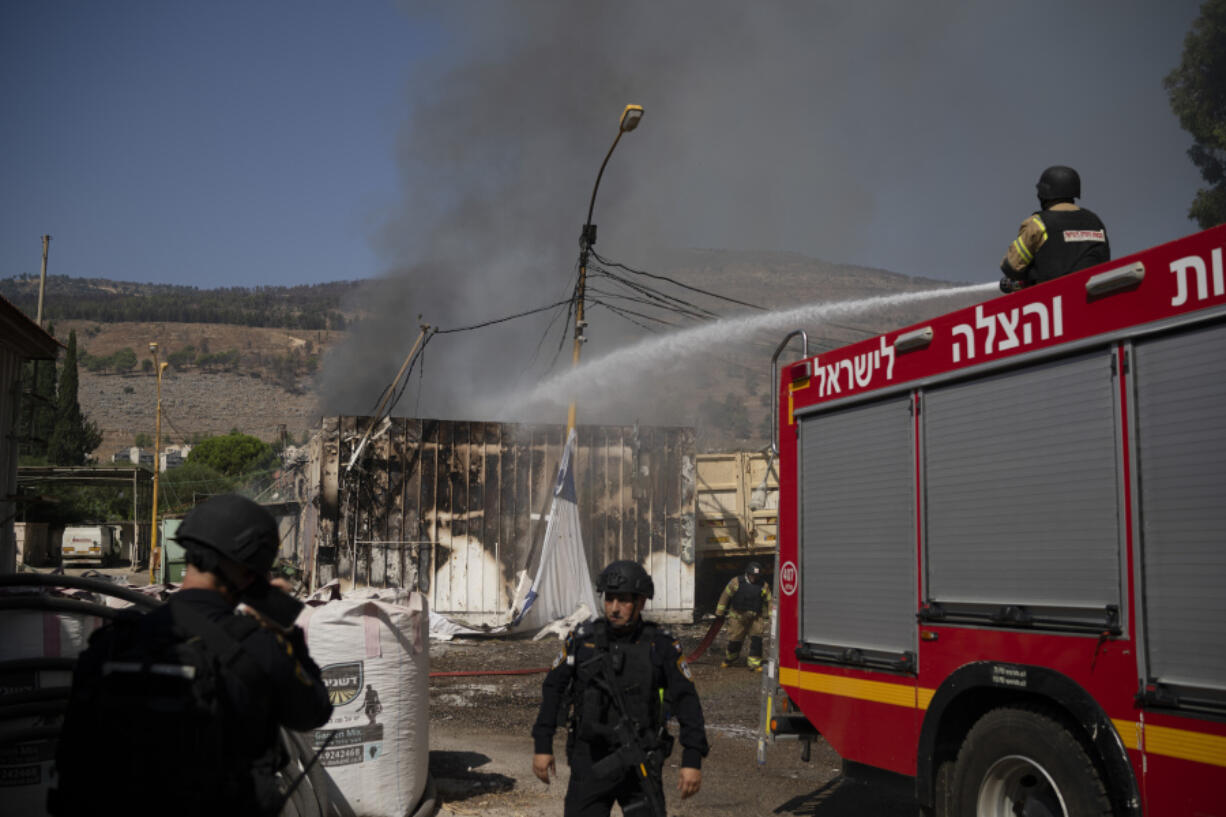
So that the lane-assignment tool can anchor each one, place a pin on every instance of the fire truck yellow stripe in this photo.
(879, 691)
(1185, 745)
(1130, 733)
(1171, 742)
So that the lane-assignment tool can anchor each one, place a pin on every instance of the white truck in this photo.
(90, 543)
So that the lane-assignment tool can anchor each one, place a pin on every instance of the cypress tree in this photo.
(74, 436)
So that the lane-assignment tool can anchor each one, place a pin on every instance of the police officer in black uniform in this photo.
(649, 670)
(1060, 239)
(252, 674)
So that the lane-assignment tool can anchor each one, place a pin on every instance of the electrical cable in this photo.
(674, 282)
(623, 312)
(667, 301)
(497, 320)
(649, 329)
(649, 302)
(540, 343)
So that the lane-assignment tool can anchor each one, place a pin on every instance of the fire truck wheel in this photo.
(1020, 760)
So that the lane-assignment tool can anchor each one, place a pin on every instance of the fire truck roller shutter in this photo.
(858, 527)
(1181, 456)
(1022, 490)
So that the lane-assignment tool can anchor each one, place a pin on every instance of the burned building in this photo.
(457, 509)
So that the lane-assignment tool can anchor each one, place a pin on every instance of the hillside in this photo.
(260, 378)
(317, 306)
(271, 384)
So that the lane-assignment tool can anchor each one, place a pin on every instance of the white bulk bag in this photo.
(372, 649)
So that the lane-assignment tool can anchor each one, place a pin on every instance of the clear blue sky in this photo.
(276, 142)
(203, 143)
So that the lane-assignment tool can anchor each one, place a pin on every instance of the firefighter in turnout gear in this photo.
(616, 681)
(1060, 239)
(746, 601)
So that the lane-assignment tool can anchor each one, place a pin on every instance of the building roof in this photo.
(23, 335)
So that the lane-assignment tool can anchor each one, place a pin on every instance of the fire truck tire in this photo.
(1021, 760)
(941, 784)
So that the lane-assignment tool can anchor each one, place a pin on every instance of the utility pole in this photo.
(42, 281)
(155, 552)
(629, 121)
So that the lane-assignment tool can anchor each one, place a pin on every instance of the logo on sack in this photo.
(343, 681)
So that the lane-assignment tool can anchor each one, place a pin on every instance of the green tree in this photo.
(143, 440)
(1198, 97)
(182, 358)
(74, 436)
(233, 454)
(124, 360)
(192, 481)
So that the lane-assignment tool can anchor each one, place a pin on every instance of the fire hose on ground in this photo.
(697, 653)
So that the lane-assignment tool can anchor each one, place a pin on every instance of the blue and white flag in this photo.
(563, 581)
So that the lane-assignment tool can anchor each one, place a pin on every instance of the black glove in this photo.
(1008, 285)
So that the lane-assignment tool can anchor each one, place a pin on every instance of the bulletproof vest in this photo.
(158, 715)
(748, 597)
(634, 675)
(1076, 239)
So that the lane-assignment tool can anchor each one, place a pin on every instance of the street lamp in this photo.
(155, 552)
(630, 119)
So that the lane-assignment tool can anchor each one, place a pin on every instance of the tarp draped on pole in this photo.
(563, 581)
(561, 594)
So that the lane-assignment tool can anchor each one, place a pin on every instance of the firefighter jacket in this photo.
(743, 596)
(1061, 239)
(654, 681)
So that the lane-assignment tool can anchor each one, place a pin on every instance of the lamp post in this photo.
(629, 121)
(155, 552)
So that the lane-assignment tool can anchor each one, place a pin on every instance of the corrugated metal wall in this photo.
(458, 509)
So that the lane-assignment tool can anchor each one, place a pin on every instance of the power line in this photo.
(674, 282)
(662, 301)
(498, 320)
(625, 314)
(623, 311)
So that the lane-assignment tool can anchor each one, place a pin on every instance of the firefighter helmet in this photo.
(625, 576)
(1059, 182)
(753, 571)
(234, 527)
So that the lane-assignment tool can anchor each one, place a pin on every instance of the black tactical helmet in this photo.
(625, 576)
(234, 527)
(1059, 182)
(754, 571)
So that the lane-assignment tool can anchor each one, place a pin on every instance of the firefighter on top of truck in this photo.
(746, 601)
(1059, 239)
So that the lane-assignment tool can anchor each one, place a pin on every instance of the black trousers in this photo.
(591, 796)
(595, 798)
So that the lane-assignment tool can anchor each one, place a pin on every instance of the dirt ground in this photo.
(481, 748)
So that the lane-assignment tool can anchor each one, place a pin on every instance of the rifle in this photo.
(630, 753)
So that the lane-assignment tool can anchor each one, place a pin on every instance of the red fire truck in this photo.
(1002, 546)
